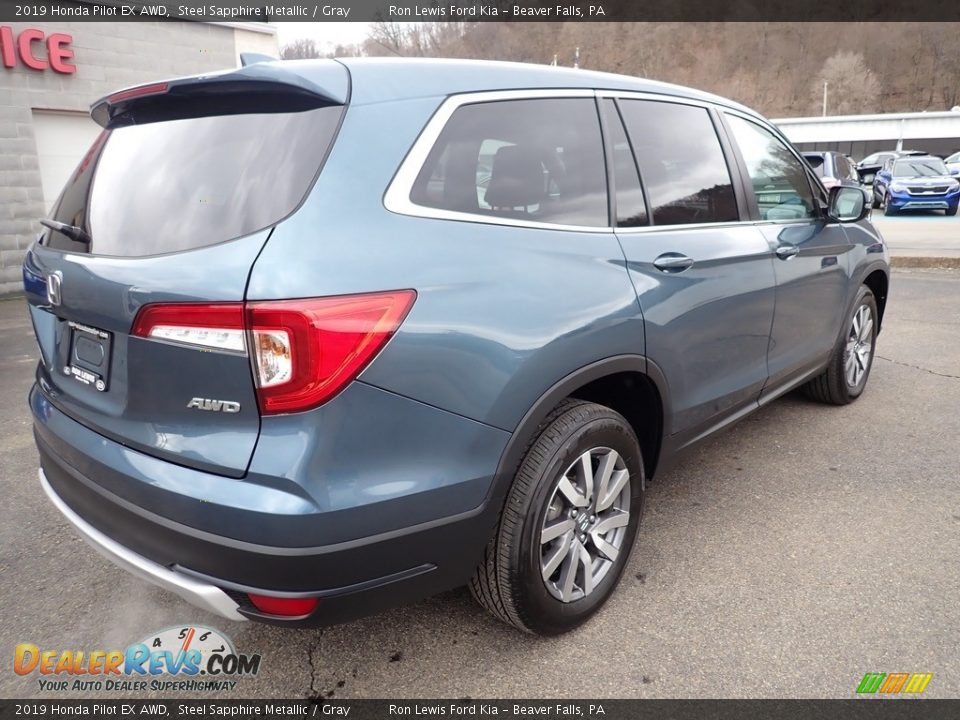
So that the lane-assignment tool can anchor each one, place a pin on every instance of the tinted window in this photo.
(631, 207)
(183, 184)
(818, 163)
(536, 160)
(778, 178)
(842, 169)
(681, 162)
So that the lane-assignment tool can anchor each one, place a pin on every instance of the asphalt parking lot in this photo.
(920, 233)
(785, 558)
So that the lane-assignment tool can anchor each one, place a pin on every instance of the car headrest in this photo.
(516, 178)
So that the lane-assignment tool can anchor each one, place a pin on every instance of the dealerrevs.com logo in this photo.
(186, 658)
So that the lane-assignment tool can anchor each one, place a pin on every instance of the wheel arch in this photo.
(630, 384)
(878, 280)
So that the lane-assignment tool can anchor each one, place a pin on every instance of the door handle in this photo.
(787, 251)
(672, 262)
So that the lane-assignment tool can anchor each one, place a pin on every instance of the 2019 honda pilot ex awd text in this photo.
(321, 337)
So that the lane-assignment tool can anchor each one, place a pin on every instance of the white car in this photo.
(953, 163)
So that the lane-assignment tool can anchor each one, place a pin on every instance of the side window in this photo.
(778, 178)
(843, 171)
(681, 162)
(537, 160)
(631, 207)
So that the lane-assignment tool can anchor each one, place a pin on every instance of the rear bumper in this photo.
(125, 504)
(207, 597)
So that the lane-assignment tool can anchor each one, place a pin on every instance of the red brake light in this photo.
(303, 352)
(152, 89)
(285, 607)
(306, 351)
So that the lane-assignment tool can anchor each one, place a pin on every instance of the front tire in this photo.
(888, 209)
(951, 211)
(846, 376)
(569, 522)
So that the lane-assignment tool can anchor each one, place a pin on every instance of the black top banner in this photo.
(484, 10)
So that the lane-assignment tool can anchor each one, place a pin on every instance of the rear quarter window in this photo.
(183, 184)
(536, 160)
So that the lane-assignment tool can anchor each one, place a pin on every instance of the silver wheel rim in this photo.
(859, 346)
(585, 524)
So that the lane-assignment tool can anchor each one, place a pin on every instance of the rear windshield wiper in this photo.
(71, 231)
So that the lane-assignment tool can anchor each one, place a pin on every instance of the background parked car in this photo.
(953, 163)
(871, 164)
(833, 168)
(916, 183)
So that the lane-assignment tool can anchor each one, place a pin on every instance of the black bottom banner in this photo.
(873, 708)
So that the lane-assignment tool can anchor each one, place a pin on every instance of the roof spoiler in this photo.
(254, 88)
(249, 58)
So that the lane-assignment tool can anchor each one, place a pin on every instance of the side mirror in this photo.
(955, 171)
(867, 173)
(847, 204)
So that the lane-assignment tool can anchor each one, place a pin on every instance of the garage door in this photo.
(62, 139)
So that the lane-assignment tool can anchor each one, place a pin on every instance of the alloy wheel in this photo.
(585, 524)
(859, 346)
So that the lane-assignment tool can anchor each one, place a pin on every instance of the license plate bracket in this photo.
(90, 352)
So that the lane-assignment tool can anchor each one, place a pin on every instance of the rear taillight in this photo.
(215, 326)
(303, 352)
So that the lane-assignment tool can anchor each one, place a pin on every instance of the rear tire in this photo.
(875, 201)
(541, 586)
(846, 375)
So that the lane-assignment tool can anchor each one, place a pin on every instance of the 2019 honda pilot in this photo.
(321, 337)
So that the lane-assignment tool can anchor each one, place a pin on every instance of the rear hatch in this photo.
(172, 204)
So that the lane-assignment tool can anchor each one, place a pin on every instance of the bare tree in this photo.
(301, 49)
(852, 88)
(767, 66)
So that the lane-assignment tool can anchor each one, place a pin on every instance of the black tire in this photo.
(951, 211)
(831, 386)
(888, 209)
(508, 581)
(874, 202)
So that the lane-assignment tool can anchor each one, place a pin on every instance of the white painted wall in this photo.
(62, 139)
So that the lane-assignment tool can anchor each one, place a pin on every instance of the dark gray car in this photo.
(322, 337)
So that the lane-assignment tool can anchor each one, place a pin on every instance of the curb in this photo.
(940, 263)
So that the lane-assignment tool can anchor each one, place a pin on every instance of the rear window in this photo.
(818, 167)
(184, 184)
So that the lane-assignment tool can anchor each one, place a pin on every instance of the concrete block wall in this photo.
(108, 56)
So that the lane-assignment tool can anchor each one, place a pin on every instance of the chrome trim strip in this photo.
(203, 595)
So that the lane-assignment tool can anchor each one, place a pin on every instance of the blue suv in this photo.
(322, 337)
(916, 183)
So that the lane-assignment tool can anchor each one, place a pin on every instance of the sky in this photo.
(326, 33)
